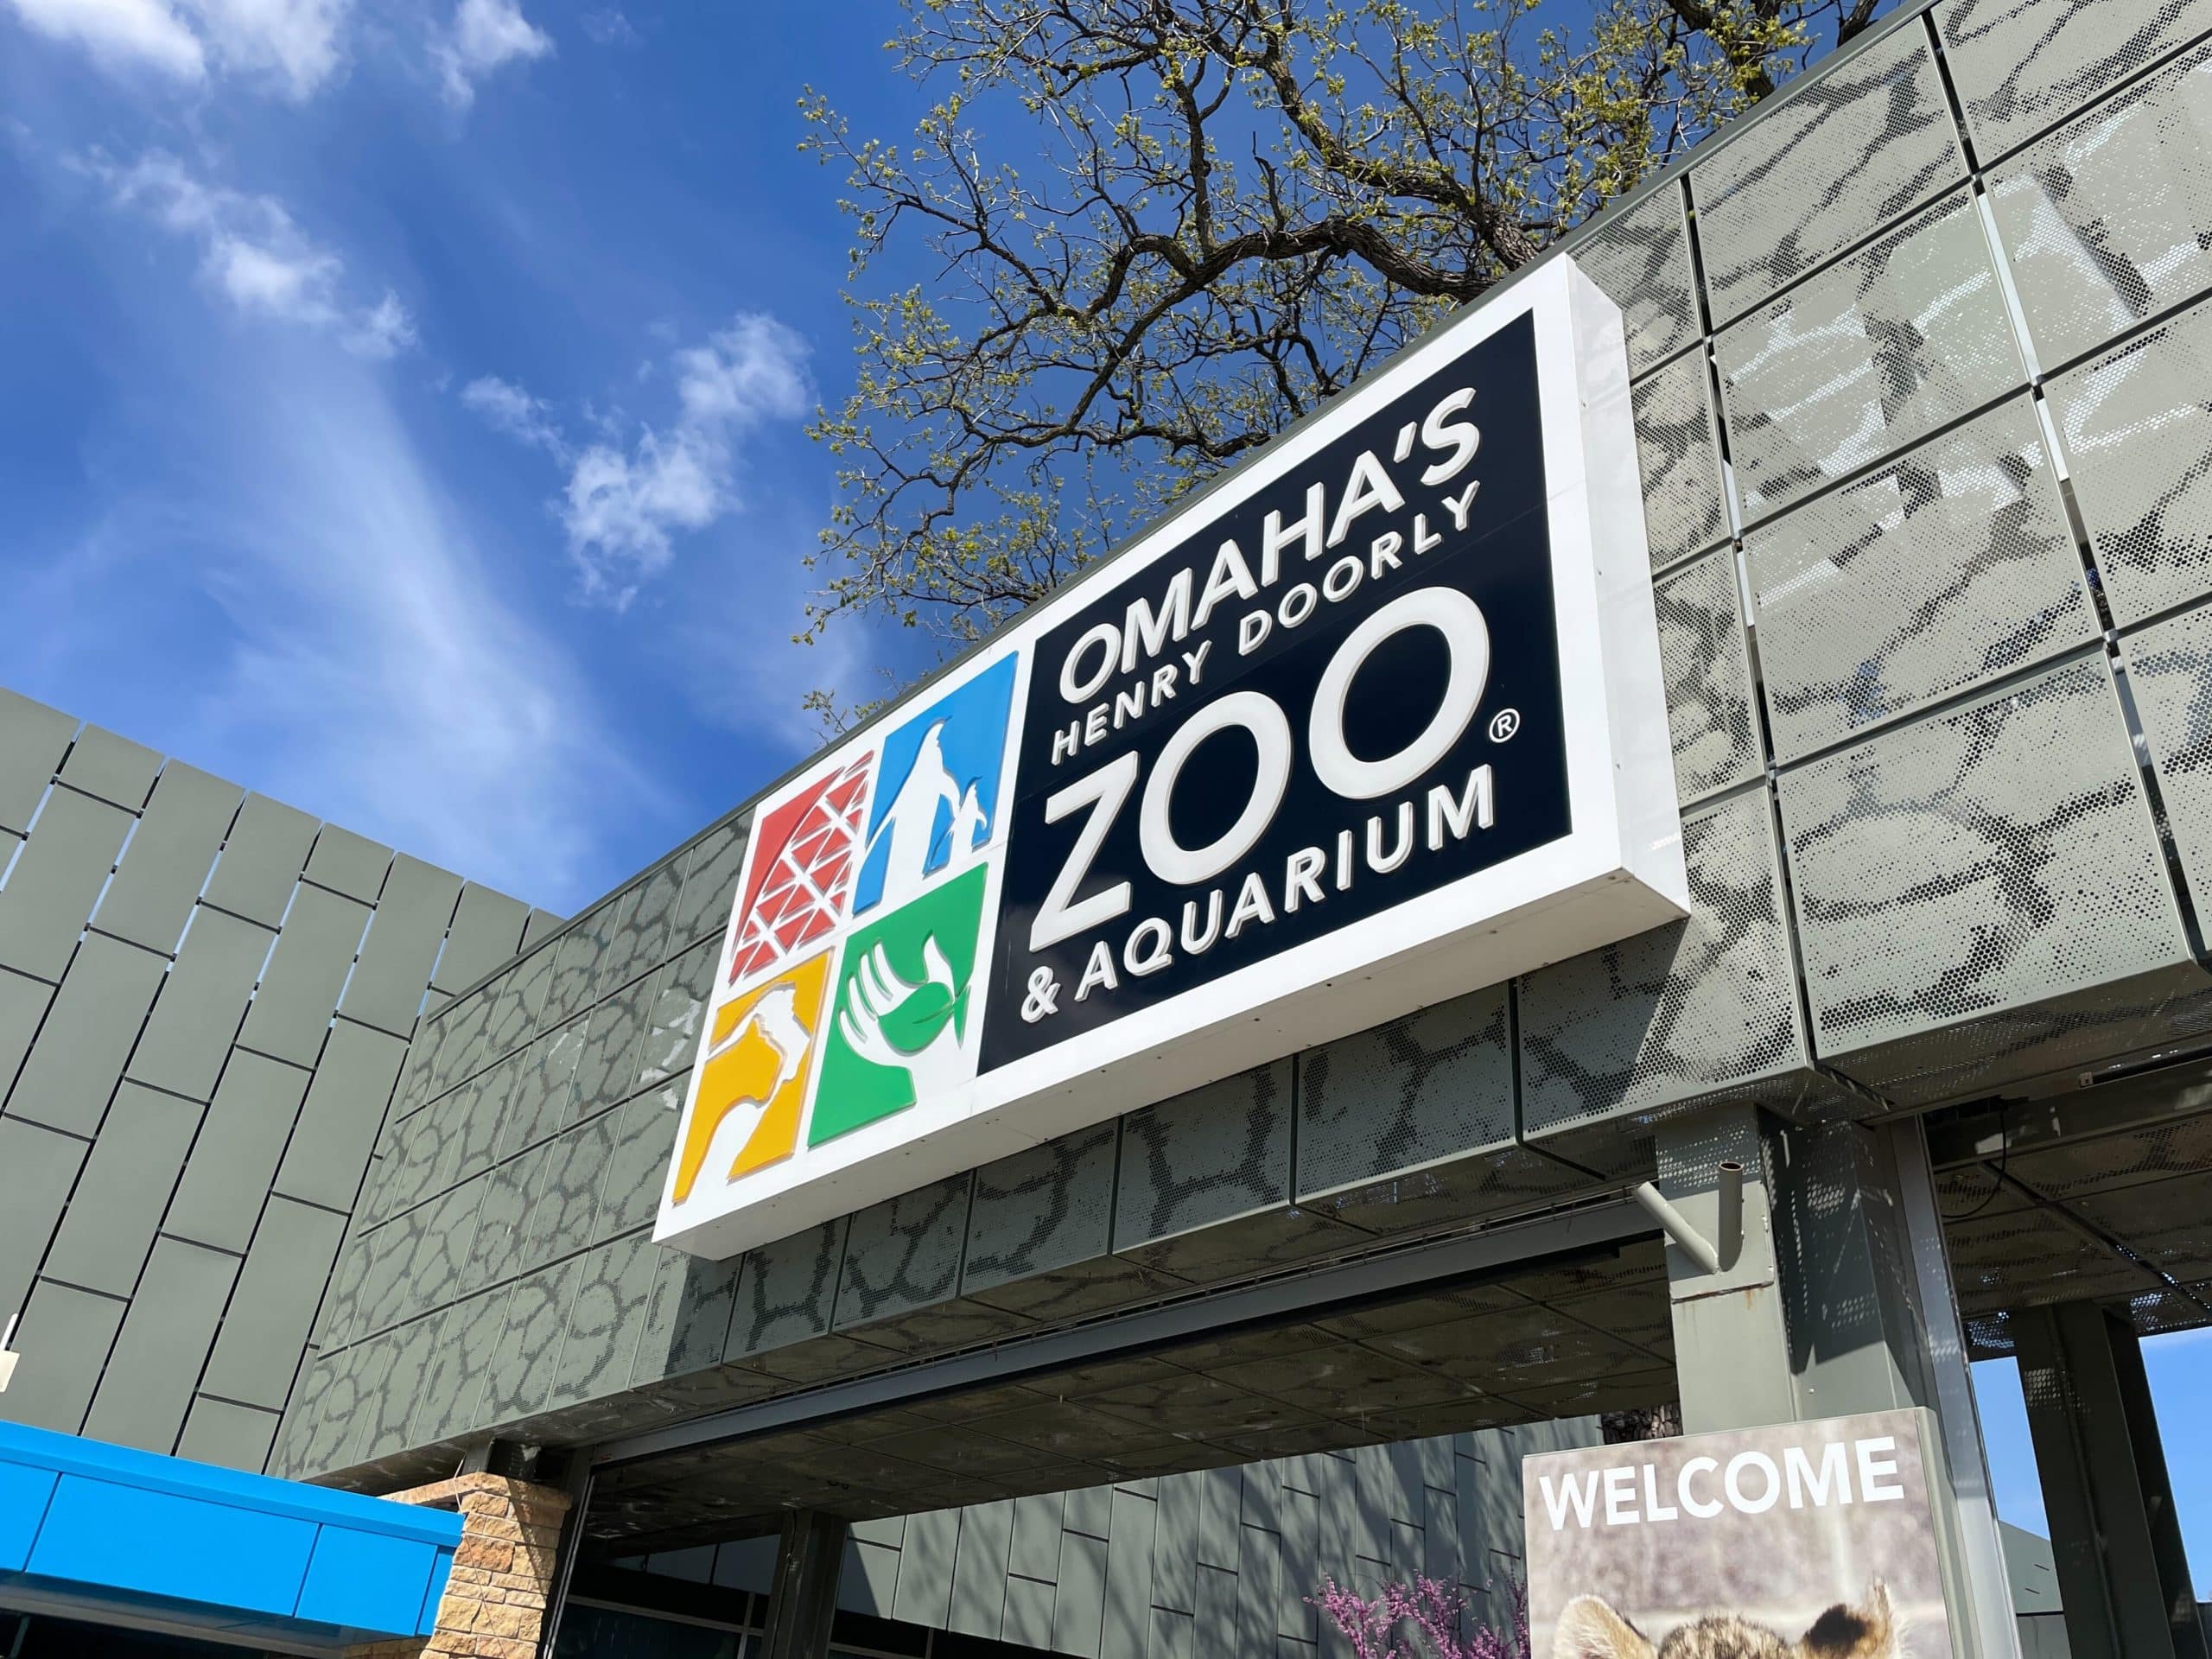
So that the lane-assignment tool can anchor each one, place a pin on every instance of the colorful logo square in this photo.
(937, 797)
(800, 871)
(752, 1086)
(904, 1019)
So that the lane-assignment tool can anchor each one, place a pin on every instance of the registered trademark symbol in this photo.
(1504, 724)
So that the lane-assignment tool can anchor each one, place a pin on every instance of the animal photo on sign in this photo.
(1806, 1540)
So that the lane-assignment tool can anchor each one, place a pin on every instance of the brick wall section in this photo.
(502, 1580)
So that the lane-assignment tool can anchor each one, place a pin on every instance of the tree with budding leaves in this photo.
(1150, 234)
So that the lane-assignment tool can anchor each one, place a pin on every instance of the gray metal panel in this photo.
(235, 1158)
(520, 1375)
(614, 1296)
(64, 1340)
(1691, 1009)
(486, 931)
(1866, 357)
(344, 1109)
(1983, 858)
(56, 877)
(453, 1384)
(1213, 1156)
(261, 861)
(352, 864)
(2022, 64)
(1220, 1508)
(1258, 1560)
(641, 933)
(1946, 568)
(1412, 1123)
(442, 1234)
(1678, 451)
(2136, 428)
(23, 1005)
(1301, 1526)
(1090, 1511)
(388, 984)
(1128, 1577)
(1709, 674)
(113, 768)
(472, 1119)
(567, 1206)
(606, 1067)
(787, 1290)
(926, 1560)
(2170, 667)
(1859, 144)
(1174, 1634)
(1175, 1544)
(868, 1580)
(259, 1346)
(517, 1001)
(710, 884)
(73, 1069)
(1029, 1612)
(1079, 1608)
(175, 844)
(545, 1088)
(1640, 256)
(41, 1167)
(645, 1139)
(147, 1387)
(300, 992)
(2109, 220)
(231, 1436)
(903, 1254)
(1037, 1529)
(202, 1002)
(537, 926)
(1048, 1207)
(117, 1206)
(32, 738)
(979, 1572)
(497, 1251)
(671, 1039)
(578, 958)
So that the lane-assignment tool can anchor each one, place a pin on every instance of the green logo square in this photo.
(900, 1026)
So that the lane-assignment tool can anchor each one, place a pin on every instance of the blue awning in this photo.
(108, 1534)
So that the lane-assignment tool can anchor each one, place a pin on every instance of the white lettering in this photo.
(1383, 553)
(1301, 599)
(1145, 633)
(1653, 1509)
(1229, 575)
(1461, 505)
(1620, 1497)
(1829, 1483)
(1251, 906)
(1877, 1482)
(1377, 860)
(1580, 1495)
(1163, 684)
(1097, 973)
(1733, 1482)
(1063, 915)
(1459, 619)
(1424, 537)
(1157, 957)
(1370, 487)
(1274, 535)
(1170, 860)
(1076, 687)
(1705, 1509)
(1251, 628)
(1196, 944)
(1194, 662)
(1068, 742)
(1476, 804)
(1341, 578)
(1301, 878)
(1463, 438)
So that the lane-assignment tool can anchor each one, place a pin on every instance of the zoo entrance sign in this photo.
(1376, 721)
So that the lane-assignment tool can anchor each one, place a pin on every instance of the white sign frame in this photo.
(1618, 871)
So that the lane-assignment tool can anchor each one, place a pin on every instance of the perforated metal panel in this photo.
(2137, 429)
(2170, 668)
(1709, 676)
(1949, 567)
(1848, 150)
(1641, 258)
(1889, 343)
(2021, 66)
(1983, 859)
(2109, 219)
(1697, 1010)
(1678, 447)
(902, 1257)
(1411, 1125)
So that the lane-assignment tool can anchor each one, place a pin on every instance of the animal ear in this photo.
(1589, 1629)
(1866, 1631)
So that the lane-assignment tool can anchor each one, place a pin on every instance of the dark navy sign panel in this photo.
(1348, 586)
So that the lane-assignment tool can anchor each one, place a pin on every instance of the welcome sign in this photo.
(1376, 720)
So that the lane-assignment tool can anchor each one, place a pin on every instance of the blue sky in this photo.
(405, 403)
(401, 417)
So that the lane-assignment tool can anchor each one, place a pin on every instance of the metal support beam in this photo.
(1388, 1275)
(803, 1595)
(578, 1486)
(2122, 1575)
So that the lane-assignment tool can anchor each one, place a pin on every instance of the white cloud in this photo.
(507, 408)
(624, 502)
(253, 253)
(609, 27)
(120, 33)
(484, 34)
(294, 46)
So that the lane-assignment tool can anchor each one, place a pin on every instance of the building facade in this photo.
(1917, 355)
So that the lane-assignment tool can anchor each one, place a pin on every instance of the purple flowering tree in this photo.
(1426, 1620)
